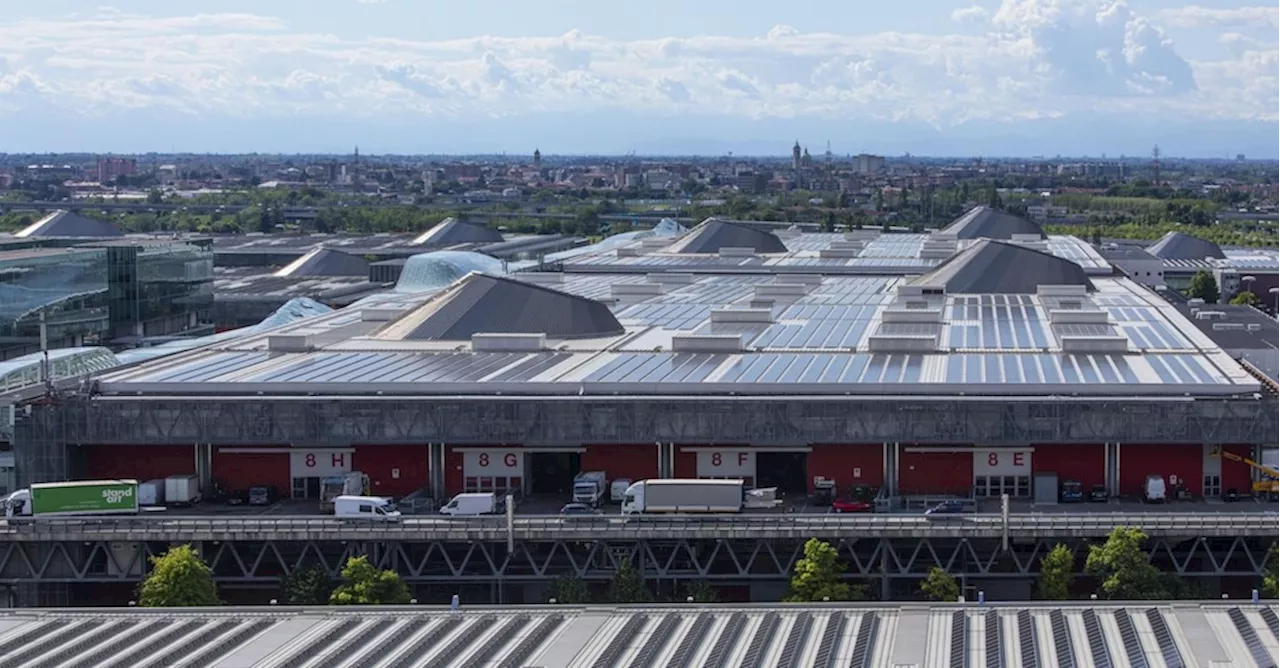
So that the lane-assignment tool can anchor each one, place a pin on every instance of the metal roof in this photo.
(1179, 246)
(479, 303)
(713, 235)
(1156, 635)
(996, 268)
(982, 222)
(325, 262)
(66, 224)
(451, 231)
(817, 339)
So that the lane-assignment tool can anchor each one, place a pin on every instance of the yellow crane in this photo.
(1272, 485)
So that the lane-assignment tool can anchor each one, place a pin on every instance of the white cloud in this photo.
(1194, 16)
(970, 15)
(1034, 58)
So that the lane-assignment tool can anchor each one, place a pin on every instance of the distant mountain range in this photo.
(619, 133)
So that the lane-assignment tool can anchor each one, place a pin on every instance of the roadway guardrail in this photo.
(162, 527)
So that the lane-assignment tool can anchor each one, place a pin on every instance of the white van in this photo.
(1153, 490)
(366, 507)
(471, 504)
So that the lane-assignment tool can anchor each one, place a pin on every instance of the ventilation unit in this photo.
(753, 315)
(707, 343)
(635, 289)
(542, 277)
(798, 279)
(735, 251)
(628, 251)
(912, 310)
(1078, 316)
(290, 343)
(902, 343)
(781, 290)
(483, 342)
(839, 253)
(380, 314)
(861, 235)
(670, 278)
(938, 247)
(1034, 241)
(1113, 343)
(1062, 291)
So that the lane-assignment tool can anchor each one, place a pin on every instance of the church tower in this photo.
(537, 159)
(795, 156)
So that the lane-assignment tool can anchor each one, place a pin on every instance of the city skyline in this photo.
(1019, 78)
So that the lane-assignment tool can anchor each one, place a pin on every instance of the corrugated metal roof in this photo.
(995, 268)
(1158, 636)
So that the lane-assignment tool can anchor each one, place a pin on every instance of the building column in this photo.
(204, 467)
(890, 472)
(436, 470)
(1112, 468)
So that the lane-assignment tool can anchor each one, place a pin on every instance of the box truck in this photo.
(373, 508)
(352, 483)
(1153, 488)
(590, 487)
(78, 497)
(151, 493)
(683, 496)
(181, 490)
(471, 504)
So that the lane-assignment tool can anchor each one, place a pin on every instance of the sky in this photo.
(926, 77)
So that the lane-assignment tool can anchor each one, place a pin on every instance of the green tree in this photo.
(628, 587)
(1204, 286)
(817, 576)
(1271, 576)
(940, 586)
(1123, 567)
(307, 586)
(1245, 298)
(1055, 574)
(701, 591)
(570, 590)
(179, 579)
(365, 585)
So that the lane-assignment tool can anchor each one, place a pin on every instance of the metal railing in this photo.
(1241, 523)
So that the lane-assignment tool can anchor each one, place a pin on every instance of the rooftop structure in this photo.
(992, 267)
(326, 262)
(714, 235)
(1157, 635)
(1179, 246)
(982, 222)
(451, 232)
(67, 224)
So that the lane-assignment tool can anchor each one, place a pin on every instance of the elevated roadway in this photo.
(162, 527)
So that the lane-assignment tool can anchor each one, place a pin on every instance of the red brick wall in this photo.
(140, 462)
(1084, 463)
(238, 471)
(378, 462)
(837, 462)
(935, 472)
(1185, 460)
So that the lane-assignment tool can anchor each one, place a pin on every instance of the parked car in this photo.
(850, 506)
(946, 508)
(263, 495)
(1099, 494)
(578, 510)
(1072, 492)
(1231, 495)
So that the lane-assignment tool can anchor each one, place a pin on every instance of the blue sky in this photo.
(1001, 77)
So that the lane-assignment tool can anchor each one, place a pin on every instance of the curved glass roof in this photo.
(24, 371)
(437, 269)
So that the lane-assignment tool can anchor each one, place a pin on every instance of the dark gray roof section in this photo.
(996, 268)
(1179, 246)
(479, 303)
(452, 231)
(982, 222)
(67, 224)
(713, 234)
(326, 262)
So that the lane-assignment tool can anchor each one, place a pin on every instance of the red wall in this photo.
(376, 461)
(935, 472)
(1236, 474)
(636, 462)
(453, 480)
(139, 462)
(1185, 460)
(836, 462)
(238, 471)
(1083, 463)
(686, 464)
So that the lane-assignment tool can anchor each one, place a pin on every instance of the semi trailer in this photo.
(683, 496)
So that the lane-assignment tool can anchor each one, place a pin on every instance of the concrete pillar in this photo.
(204, 467)
(890, 472)
(436, 470)
(1112, 462)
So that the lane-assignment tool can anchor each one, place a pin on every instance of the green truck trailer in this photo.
(78, 497)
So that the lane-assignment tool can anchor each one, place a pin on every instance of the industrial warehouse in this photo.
(984, 361)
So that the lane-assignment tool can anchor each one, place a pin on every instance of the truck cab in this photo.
(18, 503)
(366, 507)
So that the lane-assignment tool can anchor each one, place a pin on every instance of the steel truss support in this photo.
(558, 421)
(531, 561)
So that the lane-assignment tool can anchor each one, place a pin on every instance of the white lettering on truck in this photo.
(116, 495)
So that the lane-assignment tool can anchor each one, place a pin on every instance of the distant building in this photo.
(109, 169)
(868, 164)
(796, 156)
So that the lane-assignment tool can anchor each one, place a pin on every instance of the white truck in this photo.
(590, 487)
(693, 495)
(181, 490)
(373, 508)
(151, 493)
(1153, 489)
(471, 504)
(351, 483)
